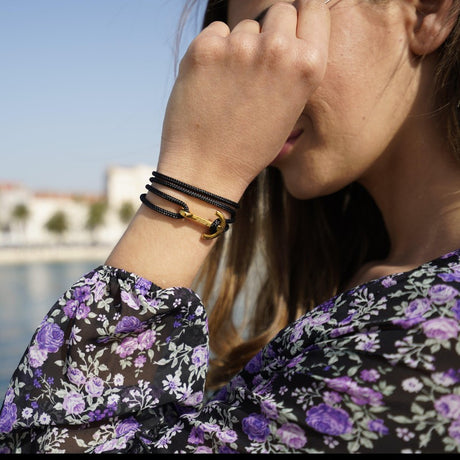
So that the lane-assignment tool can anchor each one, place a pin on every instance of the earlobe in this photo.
(432, 21)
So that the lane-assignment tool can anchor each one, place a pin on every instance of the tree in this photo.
(126, 212)
(57, 223)
(20, 214)
(96, 215)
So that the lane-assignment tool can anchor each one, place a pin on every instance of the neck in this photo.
(417, 188)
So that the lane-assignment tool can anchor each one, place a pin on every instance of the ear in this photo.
(431, 23)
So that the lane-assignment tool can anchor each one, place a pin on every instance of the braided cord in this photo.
(215, 228)
(200, 193)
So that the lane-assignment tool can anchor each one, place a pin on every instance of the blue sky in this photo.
(84, 85)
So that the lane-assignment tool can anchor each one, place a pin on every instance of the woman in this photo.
(335, 125)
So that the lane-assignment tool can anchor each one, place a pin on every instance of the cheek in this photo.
(359, 107)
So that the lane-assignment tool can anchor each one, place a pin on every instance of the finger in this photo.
(313, 23)
(247, 26)
(280, 18)
(216, 28)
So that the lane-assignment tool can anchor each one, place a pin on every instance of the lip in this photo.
(289, 144)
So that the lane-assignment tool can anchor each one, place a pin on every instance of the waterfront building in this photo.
(25, 214)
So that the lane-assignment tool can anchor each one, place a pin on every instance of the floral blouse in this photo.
(119, 365)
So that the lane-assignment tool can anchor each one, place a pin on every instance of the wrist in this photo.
(165, 187)
(220, 181)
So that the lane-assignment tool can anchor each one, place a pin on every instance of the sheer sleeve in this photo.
(113, 359)
(119, 365)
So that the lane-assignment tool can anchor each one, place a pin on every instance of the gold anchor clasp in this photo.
(219, 227)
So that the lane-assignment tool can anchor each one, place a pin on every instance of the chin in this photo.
(307, 188)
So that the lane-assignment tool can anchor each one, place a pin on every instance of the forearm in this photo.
(166, 251)
(228, 117)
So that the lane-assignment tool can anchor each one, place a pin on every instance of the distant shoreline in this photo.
(64, 253)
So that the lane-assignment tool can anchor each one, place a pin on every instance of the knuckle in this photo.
(205, 50)
(242, 47)
(276, 46)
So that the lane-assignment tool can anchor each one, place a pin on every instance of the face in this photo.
(354, 123)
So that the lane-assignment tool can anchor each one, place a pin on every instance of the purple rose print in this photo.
(448, 406)
(269, 409)
(292, 435)
(130, 300)
(146, 340)
(76, 376)
(445, 379)
(196, 436)
(442, 293)
(360, 395)
(453, 276)
(99, 290)
(127, 427)
(256, 426)
(128, 324)
(8, 417)
(127, 347)
(441, 328)
(50, 337)
(341, 384)
(417, 308)
(363, 395)
(82, 293)
(73, 403)
(94, 386)
(413, 313)
(329, 420)
(227, 436)
(37, 356)
(209, 427)
(200, 356)
(454, 431)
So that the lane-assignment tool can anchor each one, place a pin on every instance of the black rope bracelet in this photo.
(154, 207)
(198, 192)
(216, 227)
(205, 198)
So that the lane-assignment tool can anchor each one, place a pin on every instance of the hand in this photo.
(239, 94)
